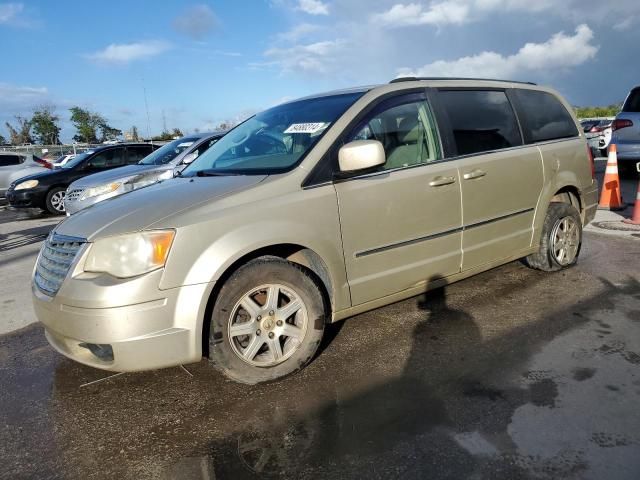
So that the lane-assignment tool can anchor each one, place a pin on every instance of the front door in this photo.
(501, 179)
(401, 225)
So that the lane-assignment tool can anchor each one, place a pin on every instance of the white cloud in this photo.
(311, 58)
(441, 13)
(196, 22)
(299, 31)
(560, 52)
(313, 7)
(127, 52)
(8, 11)
(20, 95)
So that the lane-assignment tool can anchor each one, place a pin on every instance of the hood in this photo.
(142, 208)
(115, 174)
(45, 174)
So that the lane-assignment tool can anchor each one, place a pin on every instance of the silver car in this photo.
(159, 165)
(14, 166)
(626, 131)
(312, 212)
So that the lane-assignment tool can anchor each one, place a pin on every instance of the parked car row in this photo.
(16, 165)
(598, 134)
(306, 214)
(79, 181)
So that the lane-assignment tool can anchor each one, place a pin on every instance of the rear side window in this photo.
(7, 160)
(632, 104)
(481, 120)
(543, 117)
(137, 153)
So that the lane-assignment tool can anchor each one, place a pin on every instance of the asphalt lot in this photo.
(510, 374)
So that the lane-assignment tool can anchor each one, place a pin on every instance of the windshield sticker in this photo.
(307, 127)
(185, 144)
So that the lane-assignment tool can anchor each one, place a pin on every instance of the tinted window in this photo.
(544, 117)
(632, 104)
(7, 160)
(481, 120)
(135, 154)
(405, 127)
(111, 158)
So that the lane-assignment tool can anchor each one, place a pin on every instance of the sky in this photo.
(200, 64)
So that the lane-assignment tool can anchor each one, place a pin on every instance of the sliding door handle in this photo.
(440, 181)
(474, 174)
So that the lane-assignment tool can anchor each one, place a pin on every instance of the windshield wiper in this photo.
(214, 173)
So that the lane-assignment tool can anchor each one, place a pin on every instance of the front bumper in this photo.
(30, 198)
(124, 325)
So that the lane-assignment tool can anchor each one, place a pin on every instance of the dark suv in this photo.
(46, 190)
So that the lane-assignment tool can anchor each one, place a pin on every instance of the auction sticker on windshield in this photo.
(306, 127)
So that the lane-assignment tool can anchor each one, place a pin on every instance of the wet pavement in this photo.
(510, 374)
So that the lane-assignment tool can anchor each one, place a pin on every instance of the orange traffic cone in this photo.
(635, 218)
(610, 197)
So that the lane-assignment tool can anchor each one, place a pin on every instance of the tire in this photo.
(242, 318)
(54, 202)
(547, 258)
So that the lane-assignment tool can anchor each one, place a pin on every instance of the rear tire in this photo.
(560, 241)
(54, 202)
(267, 322)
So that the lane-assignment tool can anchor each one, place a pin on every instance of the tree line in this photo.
(595, 112)
(43, 128)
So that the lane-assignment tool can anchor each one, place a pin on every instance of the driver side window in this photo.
(406, 128)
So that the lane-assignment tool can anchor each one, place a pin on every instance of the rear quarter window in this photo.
(8, 160)
(543, 117)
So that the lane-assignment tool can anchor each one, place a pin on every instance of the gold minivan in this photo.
(314, 211)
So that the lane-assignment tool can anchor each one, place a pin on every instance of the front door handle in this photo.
(474, 174)
(440, 181)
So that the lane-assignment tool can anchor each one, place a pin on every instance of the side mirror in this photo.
(361, 155)
(190, 157)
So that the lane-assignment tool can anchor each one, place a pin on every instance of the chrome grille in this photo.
(73, 194)
(56, 256)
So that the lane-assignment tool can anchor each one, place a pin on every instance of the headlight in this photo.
(100, 190)
(27, 184)
(129, 255)
(143, 180)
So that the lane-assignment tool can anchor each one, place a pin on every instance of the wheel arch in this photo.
(571, 195)
(292, 252)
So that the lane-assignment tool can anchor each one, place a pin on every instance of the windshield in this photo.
(168, 152)
(273, 141)
(77, 159)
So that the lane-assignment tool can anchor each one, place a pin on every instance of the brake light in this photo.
(592, 163)
(595, 130)
(621, 123)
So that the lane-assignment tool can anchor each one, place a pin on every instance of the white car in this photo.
(63, 159)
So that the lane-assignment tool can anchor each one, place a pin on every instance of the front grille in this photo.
(56, 256)
(73, 195)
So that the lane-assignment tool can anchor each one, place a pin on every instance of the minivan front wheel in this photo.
(267, 321)
(560, 241)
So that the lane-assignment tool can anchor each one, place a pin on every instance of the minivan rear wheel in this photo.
(560, 241)
(267, 321)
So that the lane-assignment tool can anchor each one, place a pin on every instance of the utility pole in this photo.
(146, 106)
(164, 122)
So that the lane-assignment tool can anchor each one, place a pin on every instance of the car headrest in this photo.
(409, 130)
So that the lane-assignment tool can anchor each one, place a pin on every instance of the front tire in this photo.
(267, 322)
(560, 241)
(54, 201)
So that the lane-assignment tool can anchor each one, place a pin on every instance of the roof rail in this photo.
(413, 79)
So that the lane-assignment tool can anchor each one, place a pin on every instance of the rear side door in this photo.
(501, 178)
(106, 159)
(401, 224)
